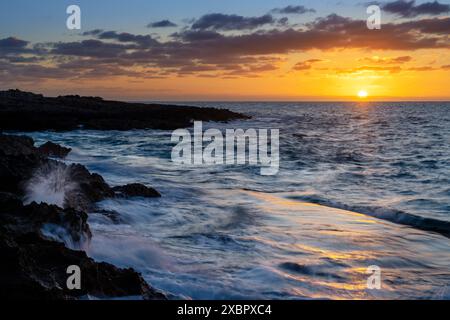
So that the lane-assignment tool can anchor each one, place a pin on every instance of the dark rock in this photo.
(136, 190)
(33, 238)
(18, 159)
(29, 112)
(16, 145)
(71, 225)
(33, 268)
(50, 149)
(9, 202)
(21, 163)
(91, 188)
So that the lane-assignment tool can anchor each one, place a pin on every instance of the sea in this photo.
(362, 191)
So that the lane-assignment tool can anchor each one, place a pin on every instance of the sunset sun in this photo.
(362, 94)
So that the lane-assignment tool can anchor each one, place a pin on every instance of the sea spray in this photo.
(61, 234)
(49, 184)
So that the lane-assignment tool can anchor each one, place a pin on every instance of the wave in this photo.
(392, 215)
(49, 184)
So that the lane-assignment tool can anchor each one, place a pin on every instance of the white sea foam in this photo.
(60, 234)
(49, 184)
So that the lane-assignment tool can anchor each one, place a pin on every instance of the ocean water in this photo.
(360, 184)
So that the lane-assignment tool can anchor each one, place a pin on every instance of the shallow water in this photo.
(309, 232)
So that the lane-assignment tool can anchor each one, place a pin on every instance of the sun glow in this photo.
(363, 94)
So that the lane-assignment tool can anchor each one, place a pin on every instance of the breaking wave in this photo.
(49, 184)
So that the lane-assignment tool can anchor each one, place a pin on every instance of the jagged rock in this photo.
(9, 202)
(91, 188)
(50, 149)
(136, 190)
(33, 238)
(33, 267)
(21, 163)
(36, 269)
(71, 224)
(30, 112)
(16, 145)
(18, 159)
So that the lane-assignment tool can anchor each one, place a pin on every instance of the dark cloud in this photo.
(15, 50)
(89, 48)
(208, 52)
(283, 21)
(13, 45)
(128, 37)
(220, 21)
(405, 8)
(92, 32)
(161, 24)
(12, 42)
(293, 10)
(197, 35)
(429, 26)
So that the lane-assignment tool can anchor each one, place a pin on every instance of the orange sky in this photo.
(267, 54)
(339, 75)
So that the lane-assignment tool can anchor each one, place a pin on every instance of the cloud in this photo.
(18, 51)
(142, 40)
(368, 69)
(405, 8)
(293, 10)
(161, 24)
(92, 32)
(220, 21)
(13, 42)
(208, 51)
(89, 48)
(13, 45)
(305, 65)
(381, 60)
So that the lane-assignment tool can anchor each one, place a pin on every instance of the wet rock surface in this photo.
(37, 240)
(50, 149)
(35, 268)
(136, 190)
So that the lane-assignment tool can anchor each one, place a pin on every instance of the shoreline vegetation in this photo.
(39, 241)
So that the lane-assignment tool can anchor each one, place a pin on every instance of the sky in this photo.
(227, 50)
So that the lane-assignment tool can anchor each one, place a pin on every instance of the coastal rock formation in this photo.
(33, 268)
(22, 164)
(18, 159)
(89, 188)
(39, 241)
(50, 149)
(136, 190)
(26, 111)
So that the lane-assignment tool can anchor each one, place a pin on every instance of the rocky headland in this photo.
(39, 241)
(25, 111)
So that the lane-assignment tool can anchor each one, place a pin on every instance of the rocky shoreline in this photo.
(39, 241)
(25, 111)
(34, 261)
